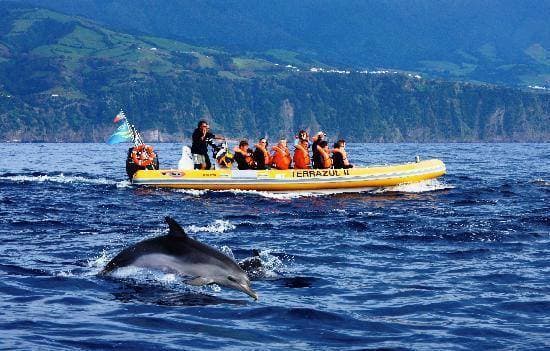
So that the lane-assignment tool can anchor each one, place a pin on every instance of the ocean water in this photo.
(461, 263)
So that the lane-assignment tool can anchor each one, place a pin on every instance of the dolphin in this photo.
(253, 266)
(178, 253)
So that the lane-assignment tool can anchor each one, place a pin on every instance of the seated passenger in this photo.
(317, 160)
(281, 158)
(301, 155)
(261, 156)
(339, 155)
(243, 156)
(323, 160)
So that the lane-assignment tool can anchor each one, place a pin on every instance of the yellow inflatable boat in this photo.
(293, 179)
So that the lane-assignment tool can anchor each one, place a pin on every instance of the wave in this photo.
(58, 178)
(191, 192)
(219, 226)
(123, 184)
(541, 182)
(419, 187)
(270, 194)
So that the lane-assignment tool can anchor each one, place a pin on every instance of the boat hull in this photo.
(292, 180)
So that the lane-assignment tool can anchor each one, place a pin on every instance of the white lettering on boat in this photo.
(308, 173)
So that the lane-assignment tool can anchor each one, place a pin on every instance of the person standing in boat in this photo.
(339, 155)
(301, 155)
(281, 159)
(243, 156)
(261, 155)
(199, 149)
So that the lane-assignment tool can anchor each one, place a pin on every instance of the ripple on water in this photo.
(460, 263)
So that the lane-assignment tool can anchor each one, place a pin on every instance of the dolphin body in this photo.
(178, 253)
(253, 266)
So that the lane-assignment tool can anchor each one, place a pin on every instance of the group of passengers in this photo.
(276, 157)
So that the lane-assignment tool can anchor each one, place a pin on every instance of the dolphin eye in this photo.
(230, 278)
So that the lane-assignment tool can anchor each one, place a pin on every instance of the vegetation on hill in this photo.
(63, 78)
(504, 42)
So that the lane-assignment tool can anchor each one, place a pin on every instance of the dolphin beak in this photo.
(246, 289)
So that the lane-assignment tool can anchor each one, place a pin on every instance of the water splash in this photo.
(219, 226)
(123, 184)
(271, 264)
(227, 251)
(271, 194)
(419, 187)
(97, 263)
(191, 192)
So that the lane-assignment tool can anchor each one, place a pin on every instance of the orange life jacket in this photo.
(281, 157)
(301, 158)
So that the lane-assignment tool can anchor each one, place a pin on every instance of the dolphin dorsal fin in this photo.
(174, 228)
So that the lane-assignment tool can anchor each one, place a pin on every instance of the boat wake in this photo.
(59, 178)
(420, 187)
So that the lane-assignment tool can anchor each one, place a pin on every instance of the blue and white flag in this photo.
(122, 134)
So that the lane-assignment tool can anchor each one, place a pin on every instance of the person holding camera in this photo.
(243, 156)
(199, 149)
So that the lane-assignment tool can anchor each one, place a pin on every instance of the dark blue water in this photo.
(462, 263)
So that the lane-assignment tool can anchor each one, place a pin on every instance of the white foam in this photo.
(58, 179)
(97, 263)
(419, 187)
(277, 195)
(219, 226)
(191, 192)
(542, 182)
(271, 264)
(227, 250)
(214, 287)
(123, 184)
(146, 275)
(64, 274)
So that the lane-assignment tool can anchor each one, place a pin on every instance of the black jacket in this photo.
(241, 161)
(260, 159)
(338, 161)
(201, 146)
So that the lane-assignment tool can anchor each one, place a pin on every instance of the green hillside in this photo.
(502, 42)
(62, 78)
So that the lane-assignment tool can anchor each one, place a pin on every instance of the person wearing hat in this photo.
(281, 158)
(317, 157)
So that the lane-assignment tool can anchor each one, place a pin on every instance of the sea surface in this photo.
(462, 263)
